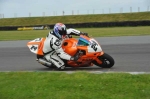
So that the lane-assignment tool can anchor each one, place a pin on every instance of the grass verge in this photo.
(79, 85)
(94, 32)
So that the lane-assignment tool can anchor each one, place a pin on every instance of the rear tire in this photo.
(107, 61)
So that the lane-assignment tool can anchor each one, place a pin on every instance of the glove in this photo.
(77, 55)
(75, 58)
(86, 34)
(70, 36)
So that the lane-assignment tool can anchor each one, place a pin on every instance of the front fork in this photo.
(97, 59)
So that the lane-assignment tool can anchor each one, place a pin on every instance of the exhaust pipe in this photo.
(43, 62)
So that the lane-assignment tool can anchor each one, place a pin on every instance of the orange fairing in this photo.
(69, 46)
(40, 51)
(40, 46)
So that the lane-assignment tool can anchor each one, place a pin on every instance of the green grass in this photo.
(94, 32)
(22, 35)
(28, 21)
(79, 85)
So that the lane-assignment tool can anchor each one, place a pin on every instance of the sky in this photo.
(36, 8)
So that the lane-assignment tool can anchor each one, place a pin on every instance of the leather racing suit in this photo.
(53, 51)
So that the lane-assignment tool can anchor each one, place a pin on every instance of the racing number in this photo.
(33, 47)
(94, 47)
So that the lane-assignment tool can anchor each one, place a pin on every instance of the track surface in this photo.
(131, 54)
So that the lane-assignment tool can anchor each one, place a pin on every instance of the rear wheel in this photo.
(107, 61)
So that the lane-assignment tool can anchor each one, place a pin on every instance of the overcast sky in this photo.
(26, 8)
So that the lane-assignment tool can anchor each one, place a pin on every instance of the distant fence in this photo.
(78, 12)
(81, 25)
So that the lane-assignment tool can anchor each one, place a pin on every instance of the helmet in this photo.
(59, 30)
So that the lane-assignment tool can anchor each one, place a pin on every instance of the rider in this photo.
(52, 49)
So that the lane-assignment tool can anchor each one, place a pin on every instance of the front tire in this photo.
(107, 61)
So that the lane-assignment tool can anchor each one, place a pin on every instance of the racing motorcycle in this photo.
(86, 48)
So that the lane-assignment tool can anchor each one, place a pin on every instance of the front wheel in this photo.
(107, 61)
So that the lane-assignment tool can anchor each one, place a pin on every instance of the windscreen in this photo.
(83, 41)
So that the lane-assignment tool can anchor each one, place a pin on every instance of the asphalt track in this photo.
(131, 54)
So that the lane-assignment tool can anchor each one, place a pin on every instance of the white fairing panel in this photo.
(33, 48)
(37, 40)
(94, 46)
(33, 45)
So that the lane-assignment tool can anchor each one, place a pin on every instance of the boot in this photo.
(44, 62)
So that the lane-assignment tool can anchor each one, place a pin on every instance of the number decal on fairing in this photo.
(33, 48)
(34, 45)
(94, 45)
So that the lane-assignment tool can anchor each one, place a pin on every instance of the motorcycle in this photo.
(88, 49)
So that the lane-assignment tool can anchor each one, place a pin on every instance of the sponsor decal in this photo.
(33, 28)
(38, 28)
